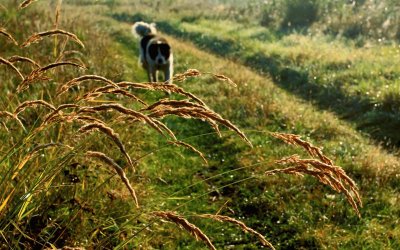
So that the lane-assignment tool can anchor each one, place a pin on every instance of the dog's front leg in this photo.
(150, 73)
(154, 75)
(168, 71)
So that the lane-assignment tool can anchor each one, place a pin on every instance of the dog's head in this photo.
(159, 51)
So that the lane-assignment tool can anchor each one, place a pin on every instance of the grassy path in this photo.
(360, 85)
(257, 104)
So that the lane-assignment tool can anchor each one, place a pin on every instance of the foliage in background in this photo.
(358, 19)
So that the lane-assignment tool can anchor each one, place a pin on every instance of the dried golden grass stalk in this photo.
(110, 89)
(58, 64)
(224, 78)
(163, 126)
(118, 169)
(110, 133)
(190, 147)
(97, 92)
(27, 104)
(185, 75)
(333, 176)
(6, 114)
(311, 149)
(78, 80)
(196, 73)
(5, 126)
(23, 59)
(215, 126)
(6, 62)
(10, 115)
(38, 73)
(72, 117)
(67, 106)
(67, 118)
(186, 225)
(8, 35)
(58, 14)
(161, 87)
(24, 85)
(26, 3)
(199, 113)
(173, 103)
(57, 111)
(87, 118)
(181, 104)
(222, 218)
(127, 94)
(75, 59)
(39, 36)
(121, 109)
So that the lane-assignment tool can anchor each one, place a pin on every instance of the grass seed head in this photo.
(103, 157)
(123, 110)
(190, 147)
(162, 87)
(243, 226)
(76, 81)
(11, 116)
(110, 133)
(199, 113)
(39, 36)
(186, 225)
(8, 35)
(333, 176)
(23, 59)
(33, 103)
(311, 149)
(8, 63)
(224, 78)
(26, 3)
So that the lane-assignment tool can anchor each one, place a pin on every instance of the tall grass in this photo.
(57, 121)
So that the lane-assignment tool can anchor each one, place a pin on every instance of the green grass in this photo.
(292, 212)
(360, 85)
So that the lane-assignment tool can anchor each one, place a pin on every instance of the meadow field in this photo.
(281, 129)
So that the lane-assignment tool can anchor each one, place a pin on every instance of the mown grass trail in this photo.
(360, 85)
(295, 213)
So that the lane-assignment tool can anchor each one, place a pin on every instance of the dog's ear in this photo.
(153, 28)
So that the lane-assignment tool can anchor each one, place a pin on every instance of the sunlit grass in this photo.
(82, 203)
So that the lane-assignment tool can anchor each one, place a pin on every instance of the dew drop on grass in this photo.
(25, 196)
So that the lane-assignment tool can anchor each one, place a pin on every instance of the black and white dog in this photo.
(155, 52)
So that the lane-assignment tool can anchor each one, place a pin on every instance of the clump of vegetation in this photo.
(60, 123)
